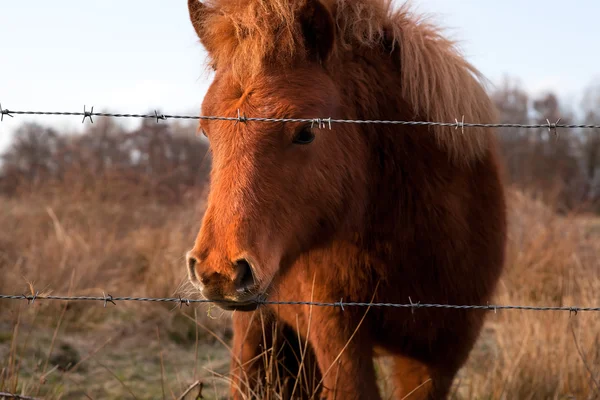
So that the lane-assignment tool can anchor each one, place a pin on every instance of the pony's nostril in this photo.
(244, 278)
(191, 261)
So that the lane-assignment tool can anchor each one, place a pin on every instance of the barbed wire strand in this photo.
(320, 122)
(107, 298)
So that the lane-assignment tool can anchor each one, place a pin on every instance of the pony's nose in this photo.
(191, 264)
(244, 277)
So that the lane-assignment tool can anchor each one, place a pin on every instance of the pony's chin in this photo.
(242, 307)
(243, 304)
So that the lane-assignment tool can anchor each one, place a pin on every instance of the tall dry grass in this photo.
(65, 241)
(552, 261)
(82, 241)
(132, 246)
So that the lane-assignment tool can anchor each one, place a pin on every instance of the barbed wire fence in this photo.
(320, 123)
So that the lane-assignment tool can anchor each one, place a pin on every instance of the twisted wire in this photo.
(321, 122)
(185, 301)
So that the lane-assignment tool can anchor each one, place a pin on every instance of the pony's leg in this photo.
(298, 372)
(247, 364)
(414, 380)
(265, 357)
(345, 362)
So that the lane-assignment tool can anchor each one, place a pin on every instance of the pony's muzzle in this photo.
(234, 287)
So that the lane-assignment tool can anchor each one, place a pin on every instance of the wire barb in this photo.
(553, 126)
(183, 301)
(461, 125)
(87, 114)
(159, 117)
(4, 112)
(573, 310)
(321, 123)
(413, 305)
(107, 299)
(241, 118)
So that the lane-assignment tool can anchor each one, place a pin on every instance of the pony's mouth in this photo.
(249, 301)
(236, 306)
(247, 304)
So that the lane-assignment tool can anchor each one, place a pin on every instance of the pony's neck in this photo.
(371, 86)
(370, 90)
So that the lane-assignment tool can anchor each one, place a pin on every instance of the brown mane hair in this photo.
(437, 82)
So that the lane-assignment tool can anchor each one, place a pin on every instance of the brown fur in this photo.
(406, 211)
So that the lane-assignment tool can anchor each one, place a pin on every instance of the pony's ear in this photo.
(198, 14)
(318, 30)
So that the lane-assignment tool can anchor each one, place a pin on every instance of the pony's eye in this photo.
(203, 132)
(305, 136)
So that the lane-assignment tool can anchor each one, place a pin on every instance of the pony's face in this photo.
(277, 188)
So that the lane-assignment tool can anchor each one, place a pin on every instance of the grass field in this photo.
(84, 244)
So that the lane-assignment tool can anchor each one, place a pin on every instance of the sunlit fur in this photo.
(390, 211)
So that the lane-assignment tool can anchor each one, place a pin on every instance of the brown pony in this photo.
(359, 212)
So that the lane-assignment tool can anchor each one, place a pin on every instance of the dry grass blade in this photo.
(415, 389)
(127, 388)
(189, 390)
(162, 367)
(60, 319)
(13, 376)
(583, 359)
(91, 355)
(304, 348)
(196, 347)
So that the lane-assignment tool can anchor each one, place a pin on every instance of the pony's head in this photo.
(277, 188)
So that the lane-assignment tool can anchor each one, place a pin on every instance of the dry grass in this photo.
(81, 244)
(542, 355)
(86, 245)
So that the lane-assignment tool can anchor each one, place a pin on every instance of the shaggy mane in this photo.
(438, 83)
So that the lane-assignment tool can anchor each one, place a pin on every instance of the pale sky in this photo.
(138, 55)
